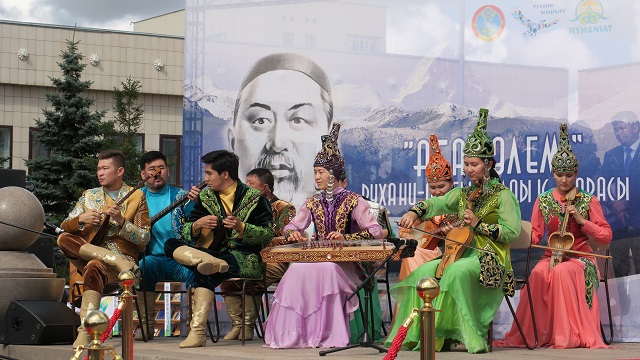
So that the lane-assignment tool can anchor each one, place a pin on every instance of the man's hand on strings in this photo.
(91, 217)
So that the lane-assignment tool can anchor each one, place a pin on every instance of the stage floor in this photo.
(167, 349)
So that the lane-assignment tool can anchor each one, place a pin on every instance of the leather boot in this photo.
(234, 309)
(250, 316)
(202, 302)
(90, 302)
(90, 252)
(147, 314)
(206, 264)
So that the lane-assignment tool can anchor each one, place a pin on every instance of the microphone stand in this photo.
(25, 229)
(366, 340)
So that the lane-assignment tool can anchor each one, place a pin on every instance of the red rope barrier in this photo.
(397, 344)
(400, 336)
(112, 323)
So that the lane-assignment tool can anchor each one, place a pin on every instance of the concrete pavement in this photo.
(167, 349)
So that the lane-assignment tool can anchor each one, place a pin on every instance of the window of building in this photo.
(366, 44)
(6, 140)
(310, 41)
(170, 147)
(140, 142)
(287, 39)
(36, 148)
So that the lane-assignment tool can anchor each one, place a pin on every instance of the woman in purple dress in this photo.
(310, 307)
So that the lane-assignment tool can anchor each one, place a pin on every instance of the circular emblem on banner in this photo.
(488, 23)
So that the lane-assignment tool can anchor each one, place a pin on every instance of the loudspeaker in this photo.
(36, 322)
(42, 248)
(12, 177)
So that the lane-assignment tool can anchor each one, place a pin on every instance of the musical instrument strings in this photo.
(174, 205)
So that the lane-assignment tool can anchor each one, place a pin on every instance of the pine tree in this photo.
(72, 133)
(120, 133)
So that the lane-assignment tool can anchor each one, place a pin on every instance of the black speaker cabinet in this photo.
(12, 177)
(38, 322)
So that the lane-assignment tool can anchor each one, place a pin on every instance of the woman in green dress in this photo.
(471, 288)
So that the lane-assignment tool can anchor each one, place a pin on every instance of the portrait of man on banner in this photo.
(283, 106)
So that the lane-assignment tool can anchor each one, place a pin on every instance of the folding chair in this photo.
(245, 284)
(523, 242)
(597, 247)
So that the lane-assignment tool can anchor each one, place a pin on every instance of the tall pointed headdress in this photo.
(329, 156)
(564, 160)
(438, 168)
(479, 143)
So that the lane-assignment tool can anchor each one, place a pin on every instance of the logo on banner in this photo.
(488, 23)
(589, 14)
(531, 26)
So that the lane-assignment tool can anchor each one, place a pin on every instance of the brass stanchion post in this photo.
(96, 323)
(126, 280)
(428, 288)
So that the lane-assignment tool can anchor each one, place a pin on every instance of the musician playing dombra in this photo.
(319, 317)
(157, 266)
(472, 287)
(564, 299)
(230, 223)
(101, 261)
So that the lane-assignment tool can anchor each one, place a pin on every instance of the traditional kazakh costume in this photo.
(565, 302)
(309, 306)
(438, 169)
(471, 288)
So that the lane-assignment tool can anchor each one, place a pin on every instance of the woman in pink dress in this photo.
(309, 306)
(565, 302)
(440, 178)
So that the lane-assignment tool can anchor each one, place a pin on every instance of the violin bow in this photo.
(572, 251)
(453, 241)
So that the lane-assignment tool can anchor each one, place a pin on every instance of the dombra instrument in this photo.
(212, 238)
(174, 204)
(421, 232)
(355, 250)
(96, 234)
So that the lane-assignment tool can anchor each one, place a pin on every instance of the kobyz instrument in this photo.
(360, 250)
(461, 236)
(453, 250)
(562, 239)
(96, 234)
(419, 233)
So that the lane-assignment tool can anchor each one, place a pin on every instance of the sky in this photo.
(111, 14)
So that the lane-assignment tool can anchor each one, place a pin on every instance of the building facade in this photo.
(29, 54)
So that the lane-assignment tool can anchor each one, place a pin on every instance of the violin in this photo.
(420, 233)
(562, 239)
(462, 237)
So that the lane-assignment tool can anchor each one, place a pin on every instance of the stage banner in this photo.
(266, 79)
